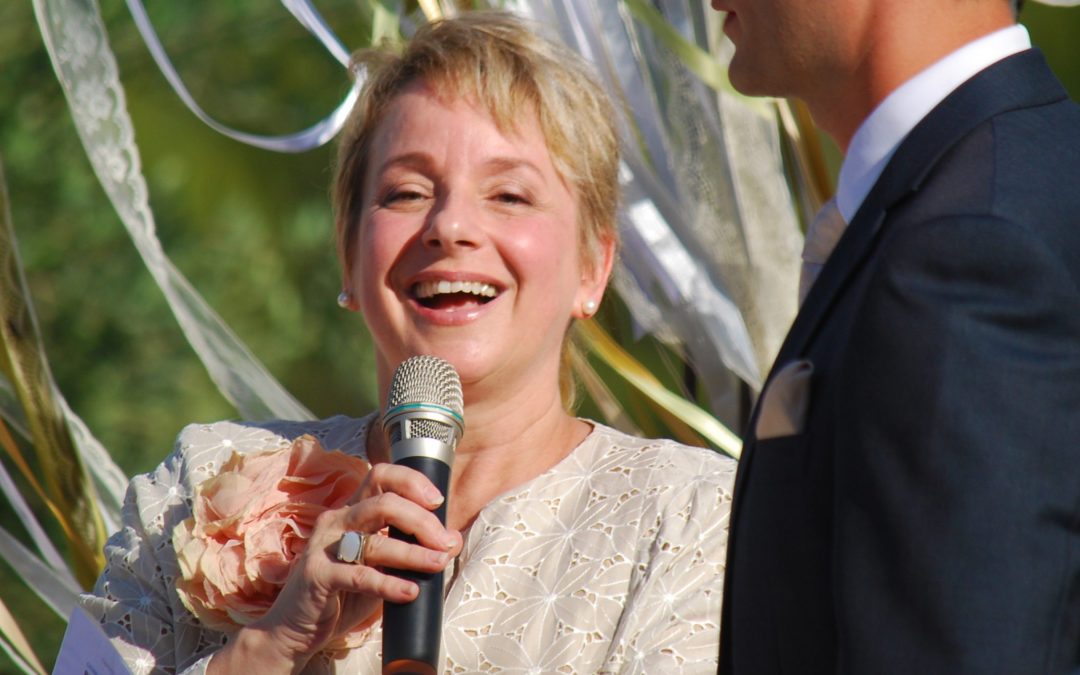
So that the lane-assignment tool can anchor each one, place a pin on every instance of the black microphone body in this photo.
(423, 423)
(412, 631)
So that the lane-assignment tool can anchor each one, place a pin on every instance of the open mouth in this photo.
(453, 294)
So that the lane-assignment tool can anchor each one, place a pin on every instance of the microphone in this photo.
(423, 423)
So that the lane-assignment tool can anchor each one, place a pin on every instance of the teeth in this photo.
(427, 289)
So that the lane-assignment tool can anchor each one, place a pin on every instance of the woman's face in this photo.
(467, 247)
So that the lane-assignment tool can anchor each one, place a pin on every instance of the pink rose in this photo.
(249, 524)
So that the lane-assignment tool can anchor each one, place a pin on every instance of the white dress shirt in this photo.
(880, 134)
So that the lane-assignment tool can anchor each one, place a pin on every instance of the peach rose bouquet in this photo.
(250, 522)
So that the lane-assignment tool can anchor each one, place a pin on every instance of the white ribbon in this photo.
(75, 37)
(312, 137)
(704, 200)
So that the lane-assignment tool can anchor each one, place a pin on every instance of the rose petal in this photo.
(249, 524)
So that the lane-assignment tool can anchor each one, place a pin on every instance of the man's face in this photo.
(784, 47)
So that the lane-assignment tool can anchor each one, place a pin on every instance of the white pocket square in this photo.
(784, 402)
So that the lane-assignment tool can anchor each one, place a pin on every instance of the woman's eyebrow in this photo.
(415, 159)
(504, 164)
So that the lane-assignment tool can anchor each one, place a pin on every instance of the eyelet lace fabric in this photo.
(612, 561)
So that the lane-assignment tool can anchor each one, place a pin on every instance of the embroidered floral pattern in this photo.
(611, 561)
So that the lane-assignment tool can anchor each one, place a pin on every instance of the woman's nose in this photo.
(451, 225)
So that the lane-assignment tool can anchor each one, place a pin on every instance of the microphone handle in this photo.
(412, 632)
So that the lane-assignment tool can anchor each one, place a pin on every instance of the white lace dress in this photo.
(611, 561)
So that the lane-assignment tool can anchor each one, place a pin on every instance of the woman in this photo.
(476, 197)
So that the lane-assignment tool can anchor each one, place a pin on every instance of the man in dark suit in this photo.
(909, 495)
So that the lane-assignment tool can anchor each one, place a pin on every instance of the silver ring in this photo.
(350, 548)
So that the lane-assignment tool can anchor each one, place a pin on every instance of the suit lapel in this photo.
(1020, 81)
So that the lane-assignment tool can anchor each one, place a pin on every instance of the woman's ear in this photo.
(346, 298)
(594, 278)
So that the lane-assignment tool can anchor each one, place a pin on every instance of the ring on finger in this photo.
(351, 547)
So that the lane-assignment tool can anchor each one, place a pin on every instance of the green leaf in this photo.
(679, 408)
(17, 641)
(384, 23)
(23, 362)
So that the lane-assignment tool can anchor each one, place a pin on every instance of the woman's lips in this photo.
(451, 310)
(452, 301)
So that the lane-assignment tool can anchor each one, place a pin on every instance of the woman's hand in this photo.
(325, 597)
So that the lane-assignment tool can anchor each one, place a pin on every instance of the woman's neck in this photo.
(507, 442)
(504, 447)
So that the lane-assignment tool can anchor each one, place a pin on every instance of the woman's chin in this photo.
(470, 360)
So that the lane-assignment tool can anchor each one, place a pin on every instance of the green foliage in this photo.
(1056, 30)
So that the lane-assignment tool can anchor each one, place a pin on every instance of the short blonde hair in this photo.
(498, 60)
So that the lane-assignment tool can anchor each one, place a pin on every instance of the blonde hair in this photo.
(504, 65)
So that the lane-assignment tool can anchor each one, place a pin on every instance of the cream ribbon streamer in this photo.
(312, 137)
(86, 68)
(666, 285)
(711, 242)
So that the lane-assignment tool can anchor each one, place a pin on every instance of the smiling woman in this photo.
(451, 200)
(476, 198)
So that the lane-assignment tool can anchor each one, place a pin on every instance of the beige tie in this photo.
(821, 238)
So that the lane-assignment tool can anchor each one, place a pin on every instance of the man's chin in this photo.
(749, 79)
(745, 83)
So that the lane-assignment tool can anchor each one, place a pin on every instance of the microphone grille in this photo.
(426, 379)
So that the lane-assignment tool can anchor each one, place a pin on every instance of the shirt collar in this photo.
(880, 134)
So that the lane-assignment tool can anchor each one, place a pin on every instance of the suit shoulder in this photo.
(1015, 175)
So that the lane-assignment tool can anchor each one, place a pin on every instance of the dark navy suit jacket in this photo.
(926, 517)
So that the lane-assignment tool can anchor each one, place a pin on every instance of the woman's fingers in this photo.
(403, 498)
(401, 480)
(369, 582)
(388, 498)
(393, 510)
(366, 576)
(380, 551)
(326, 596)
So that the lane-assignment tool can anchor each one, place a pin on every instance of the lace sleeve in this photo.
(671, 621)
(134, 599)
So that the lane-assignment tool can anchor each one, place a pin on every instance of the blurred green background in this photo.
(252, 229)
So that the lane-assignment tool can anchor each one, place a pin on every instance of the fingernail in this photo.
(449, 543)
(433, 496)
(412, 590)
(439, 557)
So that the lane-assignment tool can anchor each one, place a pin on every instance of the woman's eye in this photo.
(511, 198)
(402, 196)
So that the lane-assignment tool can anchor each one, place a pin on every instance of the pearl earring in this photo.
(343, 299)
(590, 307)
